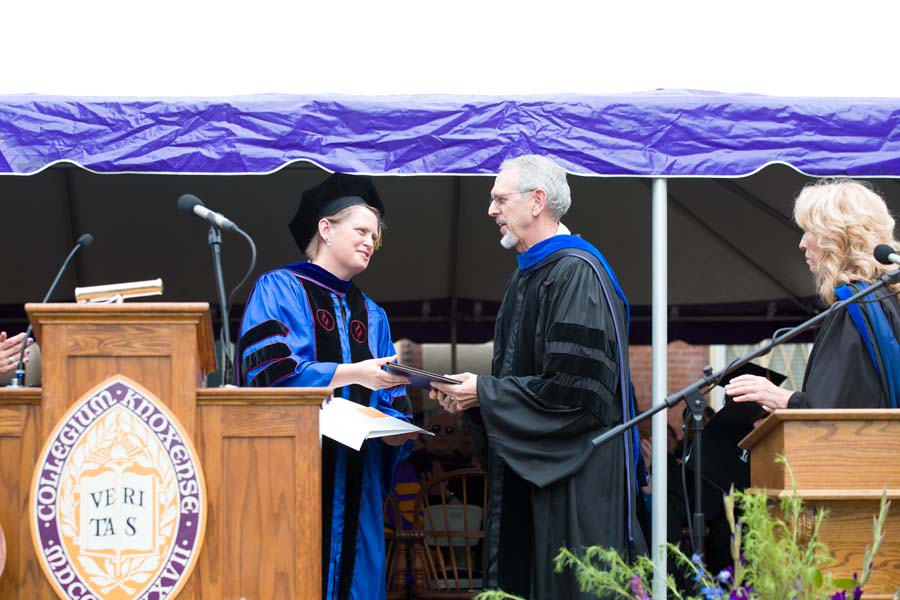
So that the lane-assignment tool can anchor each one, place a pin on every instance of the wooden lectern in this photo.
(259, 447)
(841, 460)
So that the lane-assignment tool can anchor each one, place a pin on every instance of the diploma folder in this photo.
(418, 377)
(351, 424)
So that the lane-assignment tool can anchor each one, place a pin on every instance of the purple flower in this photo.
(726, 574)
(842, 594)
(741, 593)
(637, 588)
(697, 559)
(712, 592)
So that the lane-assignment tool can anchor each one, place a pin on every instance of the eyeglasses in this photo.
(448, 429)
(501, 200)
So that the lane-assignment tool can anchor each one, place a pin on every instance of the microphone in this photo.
(886, 255)
(83, 242)
(192, 205)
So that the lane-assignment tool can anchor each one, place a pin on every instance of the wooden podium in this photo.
(259, 447)
(841, 460)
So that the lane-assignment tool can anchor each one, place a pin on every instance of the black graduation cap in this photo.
(336, 193)
(754, 369)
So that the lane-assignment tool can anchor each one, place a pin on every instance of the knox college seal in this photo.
(118, 500)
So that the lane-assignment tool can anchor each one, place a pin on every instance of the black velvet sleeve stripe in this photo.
(594, 403)
(582, 366)
(584, 336)
(264, 330)
(274, 372)
(572, 349)
(612, 350)
(267, 353)
(579, 334)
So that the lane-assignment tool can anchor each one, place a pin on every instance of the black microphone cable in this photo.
(191, 204)
(83, 242)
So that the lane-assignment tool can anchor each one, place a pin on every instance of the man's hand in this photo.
(456, 397)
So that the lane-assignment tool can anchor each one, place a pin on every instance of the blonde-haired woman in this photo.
(307, 324)
(855, 362)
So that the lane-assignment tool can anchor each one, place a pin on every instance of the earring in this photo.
(327, 241)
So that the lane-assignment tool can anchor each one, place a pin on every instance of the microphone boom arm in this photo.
(705, 383)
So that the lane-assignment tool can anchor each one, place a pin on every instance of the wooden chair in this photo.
(396, 546)
(449, 535)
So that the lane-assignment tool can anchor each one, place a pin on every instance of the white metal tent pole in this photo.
(660, 384)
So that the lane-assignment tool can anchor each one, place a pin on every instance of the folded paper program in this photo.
(117, 292)
(351, 424)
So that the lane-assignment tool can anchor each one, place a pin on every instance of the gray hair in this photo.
(535, 171)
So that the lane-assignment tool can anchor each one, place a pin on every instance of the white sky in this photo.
(224, 48)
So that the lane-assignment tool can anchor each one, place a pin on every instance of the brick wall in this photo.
(685, 366)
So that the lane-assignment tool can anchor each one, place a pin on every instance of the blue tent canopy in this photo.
(659, 134)
(115, 166)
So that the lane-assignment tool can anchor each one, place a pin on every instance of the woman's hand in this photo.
(752, 388)
(398, 439)
(9, 351)
(368, 373)
(456, 397)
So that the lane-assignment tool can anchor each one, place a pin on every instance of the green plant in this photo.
(771, 558)
(777, 562)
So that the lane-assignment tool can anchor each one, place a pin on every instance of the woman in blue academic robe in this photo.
(308, 325)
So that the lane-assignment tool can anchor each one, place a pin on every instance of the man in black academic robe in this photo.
(559, 379)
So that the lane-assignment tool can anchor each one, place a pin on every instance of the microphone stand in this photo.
(692, 395)
(190, 204)
(215, 245)
(83, 241)
(19, 379)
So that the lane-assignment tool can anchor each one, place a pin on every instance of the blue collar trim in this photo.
(878, 336)
(532, 257)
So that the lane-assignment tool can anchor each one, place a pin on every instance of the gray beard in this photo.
(509, 241)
